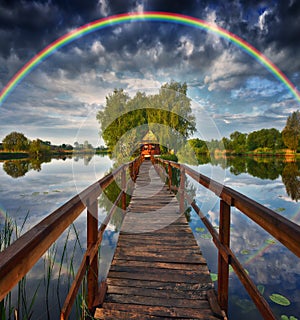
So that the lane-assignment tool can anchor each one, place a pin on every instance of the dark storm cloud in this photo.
(26, 27)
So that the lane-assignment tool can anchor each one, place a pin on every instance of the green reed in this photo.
(54, 264)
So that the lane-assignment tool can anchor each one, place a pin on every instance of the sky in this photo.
(59, 99)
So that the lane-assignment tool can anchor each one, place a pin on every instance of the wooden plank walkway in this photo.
(157, 271)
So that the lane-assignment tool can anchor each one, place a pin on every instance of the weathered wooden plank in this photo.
(184, 313)
(162, 265)
(181, 286)
(157, 301)
(162, 294)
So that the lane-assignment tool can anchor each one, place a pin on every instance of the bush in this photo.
(170, 157)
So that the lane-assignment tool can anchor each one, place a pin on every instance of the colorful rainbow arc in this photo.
(145, 16)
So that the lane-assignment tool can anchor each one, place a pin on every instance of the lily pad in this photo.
(280, 209)
(270, 241)
(35, 193)
(261, 288)
(200, 229)
(214, 277)
(245, 251)
(279, 299)
(284, 317)
(206, 236)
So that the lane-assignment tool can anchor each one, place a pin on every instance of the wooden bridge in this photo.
(157, 270)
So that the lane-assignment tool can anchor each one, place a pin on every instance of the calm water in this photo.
(37, 189)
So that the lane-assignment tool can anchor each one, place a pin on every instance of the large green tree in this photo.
(15, 141)
(291, 131)
(125, 120)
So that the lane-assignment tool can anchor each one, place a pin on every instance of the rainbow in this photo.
(145, 16)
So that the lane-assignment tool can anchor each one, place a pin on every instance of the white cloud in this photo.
(262, 21)
(225, 72)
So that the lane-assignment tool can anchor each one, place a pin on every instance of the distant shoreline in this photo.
(4, 155)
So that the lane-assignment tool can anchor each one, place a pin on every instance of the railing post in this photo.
(170, 175)
(123, 185)
(92, 235)
(223, 265)
(181, 190)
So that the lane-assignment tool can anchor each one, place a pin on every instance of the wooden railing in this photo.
(284, 230)
(18, 259)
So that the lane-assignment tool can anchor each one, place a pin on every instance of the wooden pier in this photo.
(157, 270)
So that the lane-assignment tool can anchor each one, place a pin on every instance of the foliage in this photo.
(279, 299)
(265, 138)
(291, 131)
(15, 141)
(169, 156)
(291, 179)
(38, 148)
(124, 121)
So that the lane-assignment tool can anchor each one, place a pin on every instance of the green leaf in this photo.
(245, 251)
(284, 317)
(200, 229)
(261, 288)
(214, 276)
(270, 241)
(281, 209)
(206, 236)
(279, 299)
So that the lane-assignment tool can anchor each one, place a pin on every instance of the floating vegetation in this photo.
(245, 251)
(245, 305)
(35, 193)
(270, 241)
(284, 317)
(279, 299)
(200, 229)
(280, 209)
(206, 236)
(214, 277)
(261, 288)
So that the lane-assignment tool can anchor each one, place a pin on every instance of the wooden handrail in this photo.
(17, 260)
(284, 230)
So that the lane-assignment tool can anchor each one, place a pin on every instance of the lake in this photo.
(30, 191)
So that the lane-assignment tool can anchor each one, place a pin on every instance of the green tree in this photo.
(291, 131)
(15, 141)
(238, 142)
(37, 148)
(124, 120)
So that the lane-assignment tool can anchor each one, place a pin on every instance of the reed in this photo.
(61, 256)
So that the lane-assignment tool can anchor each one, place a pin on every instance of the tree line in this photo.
(260, 141)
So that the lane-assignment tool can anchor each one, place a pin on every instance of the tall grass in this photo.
(60, 265)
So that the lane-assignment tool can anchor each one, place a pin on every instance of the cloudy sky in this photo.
(59, 99)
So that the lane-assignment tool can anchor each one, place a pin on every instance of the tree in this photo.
(238, 142)
(37, 148)
(291, 131)
(124, 120)
(15, 141)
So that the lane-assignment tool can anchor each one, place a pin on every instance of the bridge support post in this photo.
(92, 235)
(181, 190)
(170, 176)
(123, 186)
(223, 265)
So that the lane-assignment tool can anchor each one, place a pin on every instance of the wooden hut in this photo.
(149, 146)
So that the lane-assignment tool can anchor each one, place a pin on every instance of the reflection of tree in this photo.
(237, 165)
(291, 180)
(270, 169)
(18, 168)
